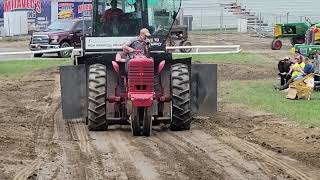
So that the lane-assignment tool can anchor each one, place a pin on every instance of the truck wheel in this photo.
(147, 122)
(38, 55)
(180, 105)
(97, 98)
(185, 43)
(276, 44)
(137, 114)
(64, 54)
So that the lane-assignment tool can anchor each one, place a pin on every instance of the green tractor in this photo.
(295, 31)
(312, 44)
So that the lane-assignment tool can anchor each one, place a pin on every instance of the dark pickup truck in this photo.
(60, 34)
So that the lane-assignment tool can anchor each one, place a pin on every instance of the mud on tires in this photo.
(96, 98)
(181, 108)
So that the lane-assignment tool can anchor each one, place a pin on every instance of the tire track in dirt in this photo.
(217, 155)
(63, 148)
(175, 160)
(43, 136)
(93, 165)
(123, 160)
(77, 158)
(291, 167)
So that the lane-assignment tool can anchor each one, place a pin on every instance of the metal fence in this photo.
(216, 14)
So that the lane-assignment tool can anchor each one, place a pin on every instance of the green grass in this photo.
(21, 67)
(261, 95)
(236, 58)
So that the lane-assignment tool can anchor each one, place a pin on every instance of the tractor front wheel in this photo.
(147, 122)
(180, 106)
(137, 113)
(97, 98)
(276, 44)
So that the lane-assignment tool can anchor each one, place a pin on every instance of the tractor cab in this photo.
(127, 17)
(116, 21)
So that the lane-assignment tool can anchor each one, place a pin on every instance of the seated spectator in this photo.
(308, 69)
(296, 69)
(284, 68)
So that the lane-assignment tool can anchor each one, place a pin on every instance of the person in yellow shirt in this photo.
(295, 70)
(297, 67)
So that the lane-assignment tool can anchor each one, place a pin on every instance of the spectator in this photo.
(296, 70)
(308, 69)
(284, 68)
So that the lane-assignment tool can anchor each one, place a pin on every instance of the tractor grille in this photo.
(40, 39)
(141, 75)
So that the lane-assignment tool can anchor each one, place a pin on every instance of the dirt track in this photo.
(238, 143)
(36, 143)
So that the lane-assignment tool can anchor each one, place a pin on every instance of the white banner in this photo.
(105, 42)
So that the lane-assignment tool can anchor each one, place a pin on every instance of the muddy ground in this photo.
(238, 143)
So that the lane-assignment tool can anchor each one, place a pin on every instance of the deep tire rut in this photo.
(291, 167)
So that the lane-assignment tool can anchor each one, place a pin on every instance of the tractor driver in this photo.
(140, 43)
(112, 13)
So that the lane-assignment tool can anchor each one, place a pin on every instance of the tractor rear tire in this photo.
(276, 44)
(147, 122)
(297, 40)
(97, 98)
(181, 108)
(135, 121)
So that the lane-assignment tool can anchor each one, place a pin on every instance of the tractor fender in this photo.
(161, 66)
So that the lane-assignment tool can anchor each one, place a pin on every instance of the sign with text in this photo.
(95, 43)
(38, 11)
(70, 10)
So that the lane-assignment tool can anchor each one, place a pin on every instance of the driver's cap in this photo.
(145, 31)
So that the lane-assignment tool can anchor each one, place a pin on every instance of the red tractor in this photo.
(150, 91)
(136, 101)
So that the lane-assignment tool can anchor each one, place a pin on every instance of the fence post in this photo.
(201, 18)
(221, 18)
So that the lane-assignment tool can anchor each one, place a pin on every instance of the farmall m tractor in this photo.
(149, 90)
